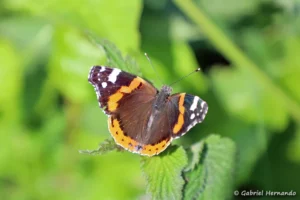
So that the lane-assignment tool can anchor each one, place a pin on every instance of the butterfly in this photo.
(141, 118)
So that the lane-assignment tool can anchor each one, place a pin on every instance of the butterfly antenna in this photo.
(196, 70)
(157, 76)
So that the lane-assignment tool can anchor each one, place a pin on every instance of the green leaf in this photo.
(251, 140)
(105, 147)
(114, 55)
(132, 65)
(212, 178)
(164, 173)
(194, 155)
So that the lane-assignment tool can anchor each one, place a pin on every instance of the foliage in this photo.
(164, 173)
(248, 51)
(212, 176)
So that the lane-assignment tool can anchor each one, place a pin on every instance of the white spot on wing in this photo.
(202, 104)
(193, 116)
(104, 84)
(194, 105)
(113, 76)
(191, 125)
(102, 69)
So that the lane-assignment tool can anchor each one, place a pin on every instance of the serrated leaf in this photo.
(132, 65)
(194, 155)
(212, 178)
(115, 58)
(105, 147)
(114, 55)
(164, 173)
(251, 140)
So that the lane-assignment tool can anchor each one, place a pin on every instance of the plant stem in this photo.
(234, 54)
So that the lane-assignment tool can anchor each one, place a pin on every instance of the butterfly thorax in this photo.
(162, 97)
(159, 103)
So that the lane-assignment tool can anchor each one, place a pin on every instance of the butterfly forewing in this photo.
(112, 85)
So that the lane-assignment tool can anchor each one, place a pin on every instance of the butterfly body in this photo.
(142, 119)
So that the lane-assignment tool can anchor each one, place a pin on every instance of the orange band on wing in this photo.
(180, 120)
(133, 85)
(155, 149)
(113, 100)
(132, 145)
(119, 136)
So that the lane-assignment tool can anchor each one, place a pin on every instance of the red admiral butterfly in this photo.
(142, 119)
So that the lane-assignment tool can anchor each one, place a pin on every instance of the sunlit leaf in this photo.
(164, 173)
(213, 176)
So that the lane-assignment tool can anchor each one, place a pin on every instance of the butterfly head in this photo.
(166, 90)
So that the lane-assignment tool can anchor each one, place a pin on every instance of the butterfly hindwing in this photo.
(189, 110)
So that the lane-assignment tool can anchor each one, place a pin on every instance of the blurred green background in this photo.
(48, 110)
